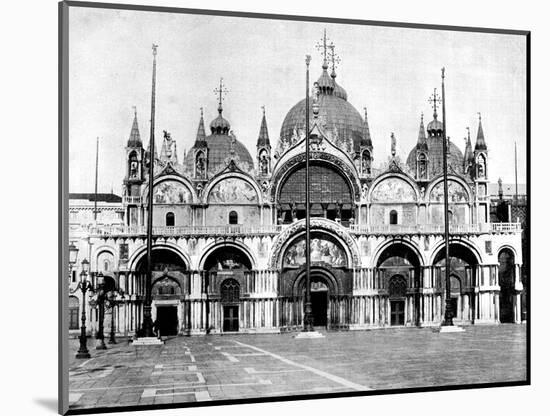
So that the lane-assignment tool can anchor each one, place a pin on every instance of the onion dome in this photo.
(434, 144)
(480, 142)
(220, 125)
(335, 112)
(221, 144)
(135, 139)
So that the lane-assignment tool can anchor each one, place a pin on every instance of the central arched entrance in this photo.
(169, 272)
(323, 289)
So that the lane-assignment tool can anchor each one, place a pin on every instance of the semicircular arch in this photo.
(211, 248)
(138, 255)
(456, 242)
(330, 228)
(377, 255)
(393, 180)
(255, 197)
(180, 180)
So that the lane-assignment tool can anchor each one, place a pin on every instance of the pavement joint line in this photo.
(248, 354)
(152, 391)
(133, 386)
(251, 370)
(230, 357)
(321, 373)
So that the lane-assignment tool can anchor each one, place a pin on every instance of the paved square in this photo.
(189, 369)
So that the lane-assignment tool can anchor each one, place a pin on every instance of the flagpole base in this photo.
(309, 335)
(450, 328)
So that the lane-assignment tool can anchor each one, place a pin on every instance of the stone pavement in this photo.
(189, 369)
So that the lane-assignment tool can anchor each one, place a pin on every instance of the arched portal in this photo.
(463, 262)
(398, 274)
(506, 278)
(323, 290)
(168, 277)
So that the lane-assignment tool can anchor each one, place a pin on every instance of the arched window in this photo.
(422, 167)
(393, 216)
(133, 167)
(230, 291)
(170, 219)
(365, 162)
(397, 286)
(233, 217)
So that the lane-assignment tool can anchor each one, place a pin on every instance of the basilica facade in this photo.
(229, 229)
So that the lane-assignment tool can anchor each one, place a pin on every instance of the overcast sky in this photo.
(391, 71)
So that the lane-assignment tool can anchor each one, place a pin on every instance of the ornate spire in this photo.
(220, 125)
(220, 92)
(334, 58)
(468, 154)
(263, 137)
(200, 140)
(393, 145)
(480, 142)
(135, 139)
(435, 101)
(422, 144)
(324, 47)
(366, 140)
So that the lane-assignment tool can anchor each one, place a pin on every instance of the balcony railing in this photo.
(435, 228)
(131, 200)
(188, 230)
(384, 229)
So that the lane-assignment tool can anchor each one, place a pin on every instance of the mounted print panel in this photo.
(203, 149)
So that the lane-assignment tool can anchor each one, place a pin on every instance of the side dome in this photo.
(334, 110)
(220, 148)
(455, 158)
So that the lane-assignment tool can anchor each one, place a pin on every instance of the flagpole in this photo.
(147, 327)
(96, 170)
(448, 321)
(308, 319)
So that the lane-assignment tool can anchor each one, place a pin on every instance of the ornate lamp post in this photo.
(73, 257)
(100, 301)
(111, 298)
(84, 285)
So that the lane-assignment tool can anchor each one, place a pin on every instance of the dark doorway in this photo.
(167, 320)
(230, 318)
(506, 277)
(397, 308)
(319, 303)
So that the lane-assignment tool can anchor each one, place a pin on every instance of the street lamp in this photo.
(111, 298)
(73, 257)
(84, 285)
(101, 295)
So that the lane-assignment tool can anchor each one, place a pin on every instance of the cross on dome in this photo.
(220, 93)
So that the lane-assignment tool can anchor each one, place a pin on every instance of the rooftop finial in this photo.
(263, 109)
(422, 116)
(468, 129)
(324, 47)
(334, 58)
(135, 110)
(479, 115)
(365, 109)
(155, 49)
(202, 113)
(434, 100)
(220, 93)
(393, 145)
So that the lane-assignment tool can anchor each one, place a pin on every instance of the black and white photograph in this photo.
(271, 208)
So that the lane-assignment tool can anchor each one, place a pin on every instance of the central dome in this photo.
(335, 112)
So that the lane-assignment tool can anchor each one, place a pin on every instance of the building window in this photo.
(393, 216)
(170, 219)
(73, 276)
(230, 291)
(233, 217)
